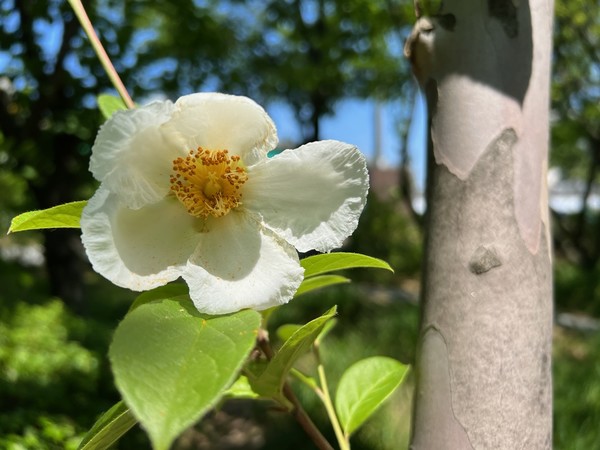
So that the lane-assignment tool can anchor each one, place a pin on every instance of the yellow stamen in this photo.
(208, 182)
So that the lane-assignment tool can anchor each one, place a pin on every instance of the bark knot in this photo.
(484, 259)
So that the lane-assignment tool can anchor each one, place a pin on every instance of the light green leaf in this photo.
(170, 290)
(364, 387)
(309, 381)
(172, 364)
(113, 424)
(241, 389)
(325, 331)
(109, 104)
(330, 262)
(320, 281)
(285, 331)
(61, 216)
(270, 382)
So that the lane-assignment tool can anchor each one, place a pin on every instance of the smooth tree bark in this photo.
(484, 357)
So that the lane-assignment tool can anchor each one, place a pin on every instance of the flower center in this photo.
(208, 182)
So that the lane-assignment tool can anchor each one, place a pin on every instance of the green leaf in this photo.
(170, 290)
(241, 389)
(309, 381)
(113, 424)
(109, 104)
(325, 331)
(320, 281)
(61, 216)
(364, 387)
(172, 364)
(330, 262)
(270, 382)
(285, 331)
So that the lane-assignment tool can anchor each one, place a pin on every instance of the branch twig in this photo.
(297, 412)
(102, 55)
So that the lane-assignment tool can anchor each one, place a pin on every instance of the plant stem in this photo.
(323, 393)
(101, 53)
(305, 421)
(297, 411)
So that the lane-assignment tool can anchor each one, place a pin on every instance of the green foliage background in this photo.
(56, 322)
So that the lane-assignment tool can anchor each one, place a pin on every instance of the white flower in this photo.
(187, 190)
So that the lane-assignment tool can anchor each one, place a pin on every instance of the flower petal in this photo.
(311, 196)
(238, 264)
(132, 158)
(138, 249)
(223, 122)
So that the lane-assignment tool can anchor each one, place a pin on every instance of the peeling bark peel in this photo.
(483, 371)
(496, 325)
(470, 61)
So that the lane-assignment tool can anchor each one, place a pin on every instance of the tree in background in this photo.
(312, 53)
(483, 364)
(576, 148)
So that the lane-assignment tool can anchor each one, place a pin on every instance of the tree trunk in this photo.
(63, 250)
(483, 365)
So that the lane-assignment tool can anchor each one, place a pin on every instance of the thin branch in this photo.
(326, 398)
(102, 55)
(305, 421)
(297, 411)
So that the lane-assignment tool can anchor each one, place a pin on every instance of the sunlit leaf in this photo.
(67, 215)
(285, 331)
(270, 382)
(364, 387)
(109, 104)
(170, 290)
(320, 281)
(172, 364)
(330, 262)
(113, 424)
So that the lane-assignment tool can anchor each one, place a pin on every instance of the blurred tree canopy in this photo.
(312, 53)
(576, 152)
(576, 123)
(308, 54)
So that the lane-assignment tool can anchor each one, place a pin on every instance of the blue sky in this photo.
(353, 122)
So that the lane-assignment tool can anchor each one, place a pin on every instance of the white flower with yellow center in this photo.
(187, 190)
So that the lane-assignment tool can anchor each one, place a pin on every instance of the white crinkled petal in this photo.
(131, 156)
(223, 122)
(137, 249)
(311, 196)
(239, 264)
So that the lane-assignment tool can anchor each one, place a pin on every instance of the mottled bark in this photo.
(483, 367)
